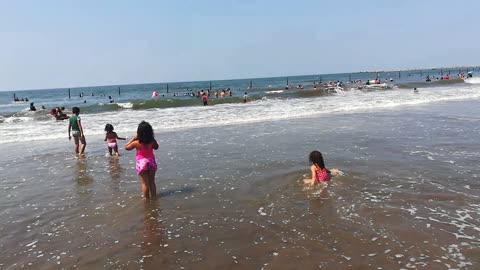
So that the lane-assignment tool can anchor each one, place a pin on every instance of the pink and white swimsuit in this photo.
(145, 159)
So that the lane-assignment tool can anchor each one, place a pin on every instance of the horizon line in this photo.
(252, 78)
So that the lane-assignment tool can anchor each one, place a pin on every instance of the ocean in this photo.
(229, 177)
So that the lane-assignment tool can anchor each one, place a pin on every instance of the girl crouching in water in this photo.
(320, 174)
(146, 166)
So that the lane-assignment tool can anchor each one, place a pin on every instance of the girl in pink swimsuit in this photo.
(111, 139)
(146, 166)
(320, 174)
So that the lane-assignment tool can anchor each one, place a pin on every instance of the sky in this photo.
(58, 44)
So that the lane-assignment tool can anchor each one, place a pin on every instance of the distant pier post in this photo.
(210, 85)
(167, 88)
(421, 73)
(320, 79)
(399, 74)
(287, 80)
(441, 72)
(250, 84)
(14, 97)
(349, 77)
(119, 90)
(68, 93)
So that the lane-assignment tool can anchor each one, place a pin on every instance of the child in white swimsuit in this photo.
(111, 139)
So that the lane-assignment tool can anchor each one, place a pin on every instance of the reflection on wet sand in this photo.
(115, 169)
(81, 175)
(153, 239)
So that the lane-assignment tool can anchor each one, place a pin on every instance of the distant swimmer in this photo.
(205, 99)
(428, 79)
(57, 112)
(415, 90)
(32, 108)
(245, 98)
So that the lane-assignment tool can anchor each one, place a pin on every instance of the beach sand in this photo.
(230, 197)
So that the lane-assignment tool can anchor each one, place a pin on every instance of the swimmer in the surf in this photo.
(245, 98)
(57, 112)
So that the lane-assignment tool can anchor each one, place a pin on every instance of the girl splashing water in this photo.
(320, 174)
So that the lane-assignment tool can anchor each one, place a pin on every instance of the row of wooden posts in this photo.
(320, 80)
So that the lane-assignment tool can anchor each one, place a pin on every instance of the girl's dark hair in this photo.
(317, 159)
(75, 110)
(108, 128)
(145, 133)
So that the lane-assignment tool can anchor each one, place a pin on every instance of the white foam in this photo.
(126, 105)
(473, 80)
(181, 118)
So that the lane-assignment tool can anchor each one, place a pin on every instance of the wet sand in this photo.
(230, 197)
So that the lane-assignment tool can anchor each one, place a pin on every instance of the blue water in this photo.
(99, 95)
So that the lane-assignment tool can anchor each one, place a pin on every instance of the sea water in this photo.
(229, 186)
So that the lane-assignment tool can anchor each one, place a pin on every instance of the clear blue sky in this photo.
(50, 44)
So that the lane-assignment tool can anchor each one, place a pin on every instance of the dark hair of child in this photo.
(316, 158)
(75, 110)
(108, 128)
(145, 133)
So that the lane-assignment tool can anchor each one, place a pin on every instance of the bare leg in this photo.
(84, 144)
(144, 181)
(151, 183)
(115, 149)
(75, 146)
(110, 150)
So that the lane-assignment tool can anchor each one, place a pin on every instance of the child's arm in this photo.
(119, 138)
(132, 144)
(106, 135)
(334, 172)
(155, 144)
(312, 180)
(69, 128)
(80, 128)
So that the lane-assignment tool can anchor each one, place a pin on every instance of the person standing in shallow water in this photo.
(205, 99)
(146, 166)
(75, 126)
(111, 136)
